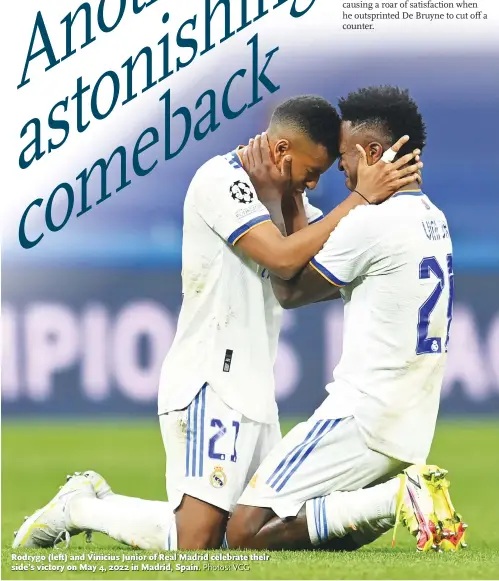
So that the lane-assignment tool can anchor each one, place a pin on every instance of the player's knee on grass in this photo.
(244, 524)
(259, 528)
(199, 525)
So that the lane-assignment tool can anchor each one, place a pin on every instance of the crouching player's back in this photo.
(394, 264)
(397, 320)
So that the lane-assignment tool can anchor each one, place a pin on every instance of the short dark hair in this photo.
(390, 111)
(313, 116)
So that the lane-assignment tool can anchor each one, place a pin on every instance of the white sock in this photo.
(339, 513)
(371, 531)
(147, 524)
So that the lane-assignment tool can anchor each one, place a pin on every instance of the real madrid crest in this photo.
(218, 478)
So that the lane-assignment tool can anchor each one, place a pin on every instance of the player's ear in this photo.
(280, 150)
(374, 152)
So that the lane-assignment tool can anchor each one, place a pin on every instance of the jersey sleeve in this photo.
(351, 249)
(313, 214)
(228, 203)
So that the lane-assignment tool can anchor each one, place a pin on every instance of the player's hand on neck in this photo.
(379, 181)
(270, 182)
(414, 186)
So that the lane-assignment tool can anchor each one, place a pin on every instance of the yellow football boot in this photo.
(425, 509)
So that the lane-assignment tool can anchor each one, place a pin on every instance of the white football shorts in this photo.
(212, 451)
(315, 458)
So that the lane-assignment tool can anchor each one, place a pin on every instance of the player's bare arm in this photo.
(307, 287)
(293, 211)
(291, 294)
(286, 256)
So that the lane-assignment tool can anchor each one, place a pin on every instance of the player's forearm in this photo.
(294, 213)
(305, 288)
(294, 300)
(288, 214)
(294, 293)
(289, 293)
(285, 257)
(276, 215)
(299, 248)
(285, 292)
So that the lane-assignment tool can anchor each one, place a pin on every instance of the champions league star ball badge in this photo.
(218, 478)
(241, 192)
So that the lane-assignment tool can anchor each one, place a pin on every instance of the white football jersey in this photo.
(228, 328)
(394, 262)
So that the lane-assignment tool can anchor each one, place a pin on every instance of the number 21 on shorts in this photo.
(429, 267)
(222, 433)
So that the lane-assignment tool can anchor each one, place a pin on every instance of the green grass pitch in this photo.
(37, 456)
